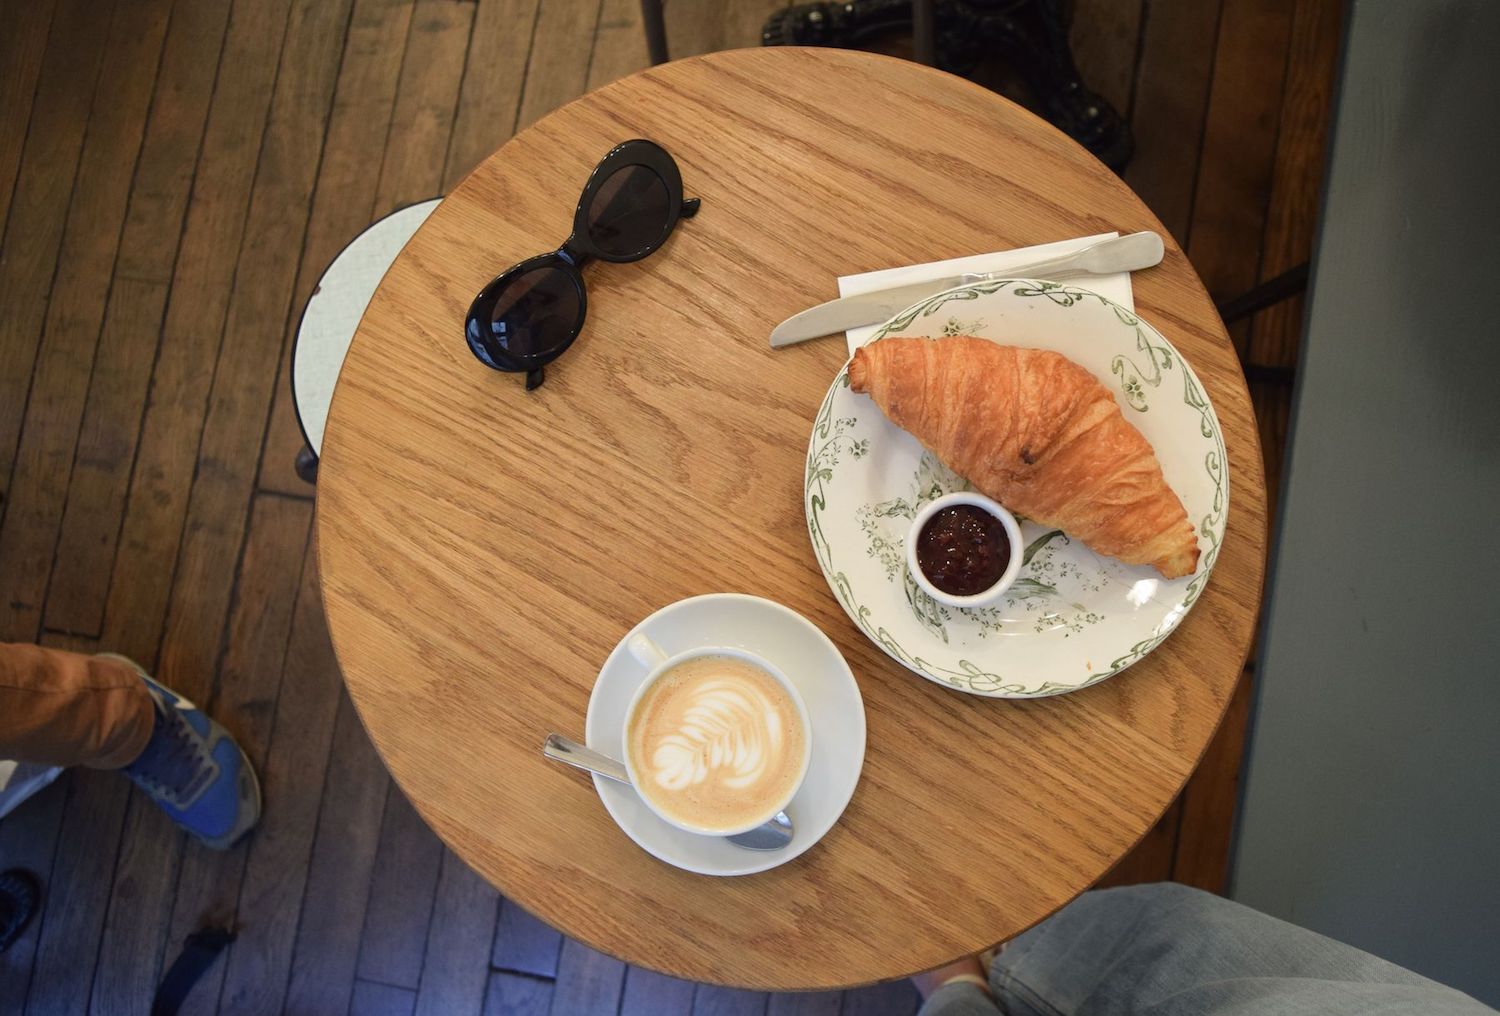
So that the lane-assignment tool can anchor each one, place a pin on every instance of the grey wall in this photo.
(1372, 797)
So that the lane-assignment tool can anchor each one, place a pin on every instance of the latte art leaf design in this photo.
(730, 730)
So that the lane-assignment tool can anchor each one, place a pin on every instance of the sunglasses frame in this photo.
(576, 251)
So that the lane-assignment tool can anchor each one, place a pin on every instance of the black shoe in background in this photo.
(20, 893)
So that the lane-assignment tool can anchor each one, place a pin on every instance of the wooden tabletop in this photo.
(483, 548)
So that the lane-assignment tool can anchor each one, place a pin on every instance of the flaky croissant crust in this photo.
(1038, 433)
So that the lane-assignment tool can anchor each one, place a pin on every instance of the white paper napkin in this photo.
(1116, 287)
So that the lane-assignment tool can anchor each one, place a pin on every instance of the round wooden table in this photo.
(483, 548)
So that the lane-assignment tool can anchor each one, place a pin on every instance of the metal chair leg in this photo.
(1284, 286)
(307, 466)
(924, 31)
(656, 30)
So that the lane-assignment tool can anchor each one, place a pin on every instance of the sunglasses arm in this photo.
(690, 208)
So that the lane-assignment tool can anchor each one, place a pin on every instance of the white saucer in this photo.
(812, 662)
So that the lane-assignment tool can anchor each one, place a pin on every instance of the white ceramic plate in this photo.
(1074, 617)
(807, 657)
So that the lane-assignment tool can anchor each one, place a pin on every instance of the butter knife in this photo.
(1118, 254)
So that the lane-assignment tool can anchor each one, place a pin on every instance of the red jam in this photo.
(963, 550)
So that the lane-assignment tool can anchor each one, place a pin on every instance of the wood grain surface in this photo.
(482, 549)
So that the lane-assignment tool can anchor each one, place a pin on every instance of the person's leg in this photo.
(1168, 949)
(958, 989)
(66, 709)
(105, 711)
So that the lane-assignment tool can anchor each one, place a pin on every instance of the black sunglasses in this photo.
(531, 313)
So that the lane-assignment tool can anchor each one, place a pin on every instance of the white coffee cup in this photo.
(652, 656)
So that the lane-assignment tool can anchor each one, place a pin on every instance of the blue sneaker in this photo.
(194, 770)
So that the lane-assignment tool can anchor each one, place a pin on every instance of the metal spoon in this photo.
(774, 835)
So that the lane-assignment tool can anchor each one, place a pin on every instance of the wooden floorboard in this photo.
(895, 998)
(78, 887)
(712, 1000)
(228, 424)
(238, 403)
(524, 943)
(398, 95)
(352, 797)
(75, 309)
(646, 992)
(149, 503)
(344, 199)
(247, 697)
(34, 231)
(455, 966)
(1296, 184)
(133, 318)
(134, 601)
(494, 71)
(258, 967)
(562, 44)
(519, 995)
(808, 1003)
(84, 857)
(1209, 802)
(1173, 78)
(371, 998)
(1273, 416)
(27, 840)
(1239, 147)
(21, 47)
(694, 28)
(426, 102)
(589, 983)
(619, 43)
(78, 876)
(403, 889)
(139, 907)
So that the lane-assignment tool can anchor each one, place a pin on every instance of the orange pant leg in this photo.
(64, 709)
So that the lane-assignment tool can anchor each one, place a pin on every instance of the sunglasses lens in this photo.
(533, 314)
(629, 212)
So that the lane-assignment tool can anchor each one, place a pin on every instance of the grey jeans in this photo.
(1168, 950)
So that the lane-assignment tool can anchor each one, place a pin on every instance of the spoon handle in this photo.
(574, 754)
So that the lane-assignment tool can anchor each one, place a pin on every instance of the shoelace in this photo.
(174, 765)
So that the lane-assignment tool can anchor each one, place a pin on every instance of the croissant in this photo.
(1038, 433)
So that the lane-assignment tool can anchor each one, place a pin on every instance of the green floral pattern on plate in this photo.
(1066, 594)
(1036, 592)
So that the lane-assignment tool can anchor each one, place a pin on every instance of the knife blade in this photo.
(854, 311)
(1128, 253)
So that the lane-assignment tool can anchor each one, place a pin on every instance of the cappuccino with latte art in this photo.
(716, 744)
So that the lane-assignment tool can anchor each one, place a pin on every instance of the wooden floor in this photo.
(173, 178)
